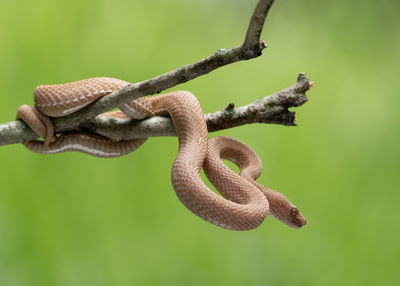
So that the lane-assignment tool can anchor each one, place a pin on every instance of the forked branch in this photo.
(272, 109)
(222, 57)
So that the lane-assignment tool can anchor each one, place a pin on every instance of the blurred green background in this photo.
(71, 219)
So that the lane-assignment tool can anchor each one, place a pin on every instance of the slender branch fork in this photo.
(271, 109)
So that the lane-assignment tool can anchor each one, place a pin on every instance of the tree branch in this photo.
(270, 109)
(251, 49)
(256, 24)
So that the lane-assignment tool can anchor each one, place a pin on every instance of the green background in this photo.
(71, 219)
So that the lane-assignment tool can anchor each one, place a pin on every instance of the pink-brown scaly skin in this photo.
(244, 204)
(250, 168)
(62, 99)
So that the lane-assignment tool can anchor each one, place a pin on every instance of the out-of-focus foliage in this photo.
(71, 219)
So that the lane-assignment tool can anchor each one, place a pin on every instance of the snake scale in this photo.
(244, 203)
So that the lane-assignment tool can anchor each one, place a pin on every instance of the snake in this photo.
(242, 203)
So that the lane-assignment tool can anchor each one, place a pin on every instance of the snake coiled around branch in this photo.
(244, 203)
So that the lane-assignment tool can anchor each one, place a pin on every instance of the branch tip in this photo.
(302, 76)
(264, 44)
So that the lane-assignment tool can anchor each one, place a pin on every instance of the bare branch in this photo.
(256, 24)
(270, 109)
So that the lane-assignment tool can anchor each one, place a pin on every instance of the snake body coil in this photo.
(244, 203)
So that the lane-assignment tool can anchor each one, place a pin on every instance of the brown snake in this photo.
(244, 203)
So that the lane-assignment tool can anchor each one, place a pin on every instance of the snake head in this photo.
(290, 215)
(284, 210)
(295, 218)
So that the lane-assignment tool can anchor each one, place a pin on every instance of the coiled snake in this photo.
(244, 203)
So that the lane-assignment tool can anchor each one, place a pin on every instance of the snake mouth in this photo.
(300, 222)
(296, 222)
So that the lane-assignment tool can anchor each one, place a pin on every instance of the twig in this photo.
(270, 109)
(256, 24)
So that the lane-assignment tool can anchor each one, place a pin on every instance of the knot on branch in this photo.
(253, 51)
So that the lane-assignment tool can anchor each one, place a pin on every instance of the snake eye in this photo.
(294, 211)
